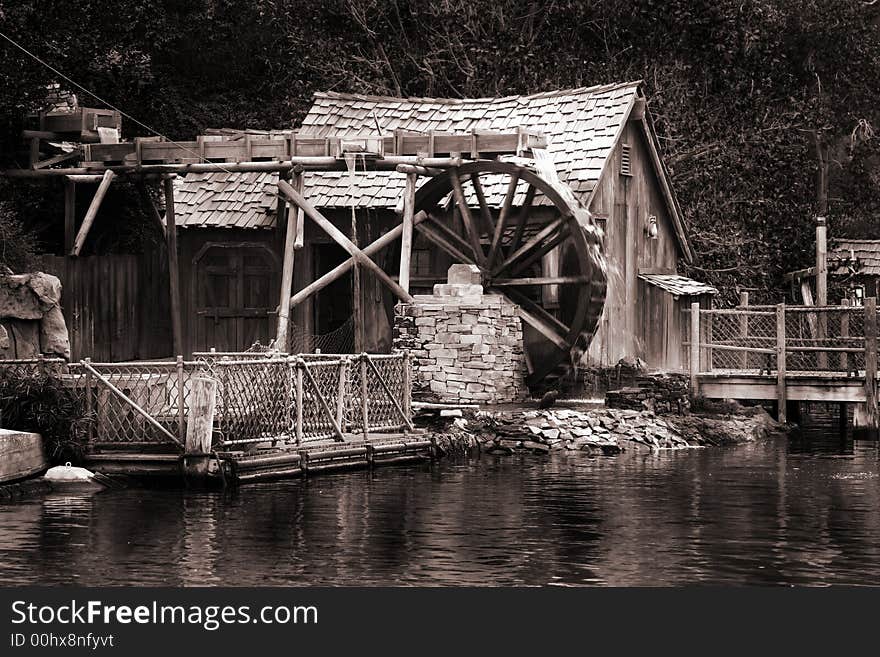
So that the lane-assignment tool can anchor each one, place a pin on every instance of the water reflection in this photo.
(770, 513)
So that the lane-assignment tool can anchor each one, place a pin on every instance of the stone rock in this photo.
(464, 275)
(54, 339)
(535, 447)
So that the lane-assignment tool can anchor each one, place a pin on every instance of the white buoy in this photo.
(67, 476)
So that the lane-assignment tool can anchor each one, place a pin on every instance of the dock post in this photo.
(744, 327)
(200, 428)
(695, 348)
(844, 333)
(299, 400)
(871, 362)
(181, 401)
(781, 396)
(364, 404)
(90, 402)
(342, 384)
(407, 386)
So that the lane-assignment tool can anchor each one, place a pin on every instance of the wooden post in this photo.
(356, 309)
(90, 400)
(871, 361)
(341, 392)
(299, 401)
(69, 215)
(181, 400)
(844, 333)
(364, 404)
(744, 328)
(173, 268)
(822, 285)
(695, 347)
(406, 238)
(407, 384)
(91, 213)
(283, 333)
(781, 396)
(200, 427)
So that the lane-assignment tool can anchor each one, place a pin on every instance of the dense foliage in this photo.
(742, 91)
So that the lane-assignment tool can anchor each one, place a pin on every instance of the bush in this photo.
(40, 403)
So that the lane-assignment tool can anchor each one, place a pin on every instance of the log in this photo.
(871, 362)
(91, 213)
(282, 332)
(200, 420)
(695, 348)
(781, 392)
(406, 237)
(339, 237)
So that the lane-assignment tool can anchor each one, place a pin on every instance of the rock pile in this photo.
(662, 393)
(31, 322)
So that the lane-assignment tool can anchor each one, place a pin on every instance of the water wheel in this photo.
(560, 310)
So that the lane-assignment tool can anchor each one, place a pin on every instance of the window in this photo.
(625, 160)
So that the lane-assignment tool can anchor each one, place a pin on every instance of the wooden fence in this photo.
(116, 306)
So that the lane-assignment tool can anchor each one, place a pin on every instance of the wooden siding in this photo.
(116, 306)
(626, 329)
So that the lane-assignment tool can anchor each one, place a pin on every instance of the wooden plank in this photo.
(780, 362)
(406, 236)
(744, 327)
(89, 219)
(339, 237)
(488, 226)
(535, 241)
(173, 269)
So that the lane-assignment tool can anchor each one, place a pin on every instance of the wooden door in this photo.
(236, 296)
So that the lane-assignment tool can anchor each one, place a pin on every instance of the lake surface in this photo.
(775, 513)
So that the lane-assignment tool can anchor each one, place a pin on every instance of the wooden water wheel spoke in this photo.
(503, 215)
(573, 280)
(539, 280)
(485, 213)
(535, 256)
(470, 228)
(450, 235)
(441, 241)
(534, 242)
(522, 219)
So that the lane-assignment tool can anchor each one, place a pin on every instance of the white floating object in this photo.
(69, 472)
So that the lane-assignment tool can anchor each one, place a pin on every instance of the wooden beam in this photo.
(69, 215)
(694, 364)
(337, 272)
(173, 267)
(339, 237)
(485, 213)
(282, 333)
(299, 184)
(539, 280)
(91, 213)
(437, 238)
(799, 274)
(470, 227)
(406, 237)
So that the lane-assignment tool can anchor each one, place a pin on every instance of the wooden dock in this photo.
(786, 354)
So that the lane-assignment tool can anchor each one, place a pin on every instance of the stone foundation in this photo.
(466, 346)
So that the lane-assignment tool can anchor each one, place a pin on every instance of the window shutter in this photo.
(625, 160)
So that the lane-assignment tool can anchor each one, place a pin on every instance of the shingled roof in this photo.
(581, 125)
(867, 252)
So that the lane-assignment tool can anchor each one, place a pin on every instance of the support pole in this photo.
(356, 295)
(91, 213)
(282, 334)
(781, 393)
(744, 328)
(173, 268)
(406, 237)
(822, 283)
(871, 362)
(695, 348)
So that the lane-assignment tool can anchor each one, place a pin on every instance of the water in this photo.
(769, 513)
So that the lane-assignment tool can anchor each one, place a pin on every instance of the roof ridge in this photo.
(339, 95)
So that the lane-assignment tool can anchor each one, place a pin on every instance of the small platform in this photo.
(285, 461)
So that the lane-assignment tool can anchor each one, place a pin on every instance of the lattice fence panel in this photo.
(317, 423)
(381, 412)
(737, 330)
